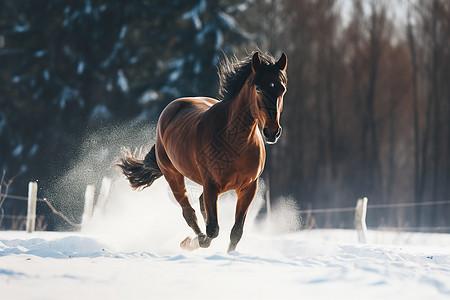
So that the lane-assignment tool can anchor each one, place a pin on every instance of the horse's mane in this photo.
(234, 72)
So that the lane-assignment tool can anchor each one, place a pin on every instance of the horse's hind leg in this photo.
(176, 183)
(245, 197)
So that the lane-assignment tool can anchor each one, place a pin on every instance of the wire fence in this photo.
(305, 211)
(413, 229)
(375, 206)
(44, 200)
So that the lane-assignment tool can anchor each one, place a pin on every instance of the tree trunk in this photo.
(436, 109)
(417, 172)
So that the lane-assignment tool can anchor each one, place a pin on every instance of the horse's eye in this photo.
(257, 90)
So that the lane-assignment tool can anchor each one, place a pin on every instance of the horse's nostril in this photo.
(279, 130)
(271, 136)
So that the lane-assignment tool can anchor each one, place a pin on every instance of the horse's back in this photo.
(184, 111)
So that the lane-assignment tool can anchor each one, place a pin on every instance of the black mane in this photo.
(233, 73)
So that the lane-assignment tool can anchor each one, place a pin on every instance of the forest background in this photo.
(366, 113)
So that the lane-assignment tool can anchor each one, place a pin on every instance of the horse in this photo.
(217, 143)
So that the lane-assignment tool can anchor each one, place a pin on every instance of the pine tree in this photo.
(69, 67)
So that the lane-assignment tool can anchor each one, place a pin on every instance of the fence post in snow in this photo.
(360, 219)
(103, 195)
(31, 212)
(88, 204)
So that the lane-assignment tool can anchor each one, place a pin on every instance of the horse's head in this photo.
(268, 88)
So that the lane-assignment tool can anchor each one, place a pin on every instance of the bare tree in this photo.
(416, 123)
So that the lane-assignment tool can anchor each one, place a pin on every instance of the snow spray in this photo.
(151, 220)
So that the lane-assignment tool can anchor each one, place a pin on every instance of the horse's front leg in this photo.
(210, 195)
(245, 197)
(208, 206)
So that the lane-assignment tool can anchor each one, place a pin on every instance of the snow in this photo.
(18, 150)
(174, 75)
(21, 28)
(2, 121)
(88, 8)
(122, 81)
(123, 32)
(194, 14)
(40, 53)
(46, 74)
(80, 67)
(137, 256)
(33, 150)
(148, 96)
(101, 111)
(16, 79)
(176, 65)
(69, 94)
(314, 264)
(227, 20)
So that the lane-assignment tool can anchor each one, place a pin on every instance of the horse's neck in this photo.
(240, 119)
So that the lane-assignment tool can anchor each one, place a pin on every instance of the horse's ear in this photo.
(282, 62)
(256, 61)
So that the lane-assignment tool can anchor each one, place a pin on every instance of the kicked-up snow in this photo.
(137, 256)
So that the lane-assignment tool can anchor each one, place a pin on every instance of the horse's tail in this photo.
(140, 173)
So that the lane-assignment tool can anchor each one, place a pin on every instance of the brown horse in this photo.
(217, 144)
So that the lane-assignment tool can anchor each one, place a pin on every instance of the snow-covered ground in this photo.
(317, 264)
(137, 256)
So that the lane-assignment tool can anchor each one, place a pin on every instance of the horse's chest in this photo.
(231, 161)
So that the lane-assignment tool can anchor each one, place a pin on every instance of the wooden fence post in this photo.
(103, 195)
(360, 219)
(31, 211)
(88, 204)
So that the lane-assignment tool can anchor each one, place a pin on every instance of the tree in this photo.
(75, 67)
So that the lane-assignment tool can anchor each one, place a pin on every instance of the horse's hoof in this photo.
(231, 248)
(212, 230)
(186, 244)
(203, 240)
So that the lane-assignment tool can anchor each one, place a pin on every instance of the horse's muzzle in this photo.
(271, 137)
